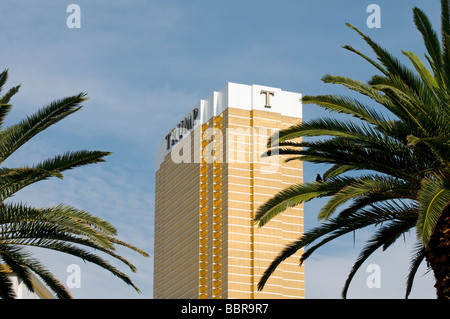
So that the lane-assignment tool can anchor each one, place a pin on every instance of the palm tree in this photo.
(60, 228)
(390, 167)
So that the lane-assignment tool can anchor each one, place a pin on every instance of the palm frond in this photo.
(392, 65)
(338, 169)
(6, 286)
(424, 73)
(84, 254)
(26, 261)
(382, 238)
(416, 260)
(411, 108)
(445, 31)
(438, 145)
(431, 40)
(344, 105)
(361, 88)
(372, 215)
(18, 221)
(365, 186)
(72, 159)
(4, 100)
(13, 180)
(14, 266)
(434, 197)
(326, 127)
(365, 57)
(296, 195)
(332, 229)
(379, 157)
(16, 135)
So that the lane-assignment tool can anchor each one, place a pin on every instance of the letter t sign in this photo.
(268, 94)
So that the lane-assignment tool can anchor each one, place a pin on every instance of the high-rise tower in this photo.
(210, 180)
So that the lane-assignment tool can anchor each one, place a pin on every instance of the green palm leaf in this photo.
(16, 135)
(424, 73)
(25, 259)
(382, 238)
(430, 39)
(434, 198)
(334, 228)
(416, 260)
(363, 187)
(296, 195)
(345, 105)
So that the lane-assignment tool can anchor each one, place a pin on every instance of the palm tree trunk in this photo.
(438, 254)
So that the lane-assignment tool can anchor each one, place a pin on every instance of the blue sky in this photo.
(145, 63)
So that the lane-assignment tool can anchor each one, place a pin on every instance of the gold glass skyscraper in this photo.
(210, 180)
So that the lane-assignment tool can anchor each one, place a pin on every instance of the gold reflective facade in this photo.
(206, 242)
